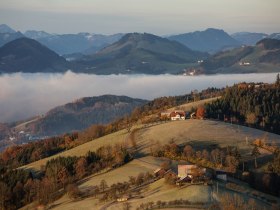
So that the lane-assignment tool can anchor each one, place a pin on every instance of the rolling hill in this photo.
(196, 132)
(82, 113)
(211, 40)
(263, 57)
(28, 55)
(141, 53)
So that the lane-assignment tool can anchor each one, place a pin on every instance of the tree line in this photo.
(224, 158)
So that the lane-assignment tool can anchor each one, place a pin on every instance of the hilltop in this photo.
(141, 53)
(28, 55)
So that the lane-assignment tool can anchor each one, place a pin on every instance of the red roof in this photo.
(175, 113)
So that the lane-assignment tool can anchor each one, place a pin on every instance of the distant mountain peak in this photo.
(36, 34)
(139, 36)
(210, 40)
(6, 29)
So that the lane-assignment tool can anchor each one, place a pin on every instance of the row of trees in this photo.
(227, 158)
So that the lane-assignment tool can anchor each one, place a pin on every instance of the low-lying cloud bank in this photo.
(26, 95)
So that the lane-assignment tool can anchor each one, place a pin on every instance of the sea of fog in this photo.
(23, 95)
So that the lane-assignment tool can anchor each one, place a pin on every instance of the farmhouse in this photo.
(174, 115)
(122, 199)
(178, 115)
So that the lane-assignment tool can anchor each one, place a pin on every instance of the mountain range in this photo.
(131, 53)
(64, 44)
(210, 40)
(141, 53)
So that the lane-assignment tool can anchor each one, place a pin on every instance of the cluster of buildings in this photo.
(177, 115)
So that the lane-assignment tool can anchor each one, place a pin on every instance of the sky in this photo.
(160, 17)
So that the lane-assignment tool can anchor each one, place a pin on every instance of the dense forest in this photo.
(254, 105)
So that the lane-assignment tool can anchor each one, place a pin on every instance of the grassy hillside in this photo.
(81, 150)
(196, 132)
(200, 132)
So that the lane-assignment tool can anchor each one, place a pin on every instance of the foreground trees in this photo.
(19, 187)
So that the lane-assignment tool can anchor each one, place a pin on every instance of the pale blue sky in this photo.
(154, 16)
